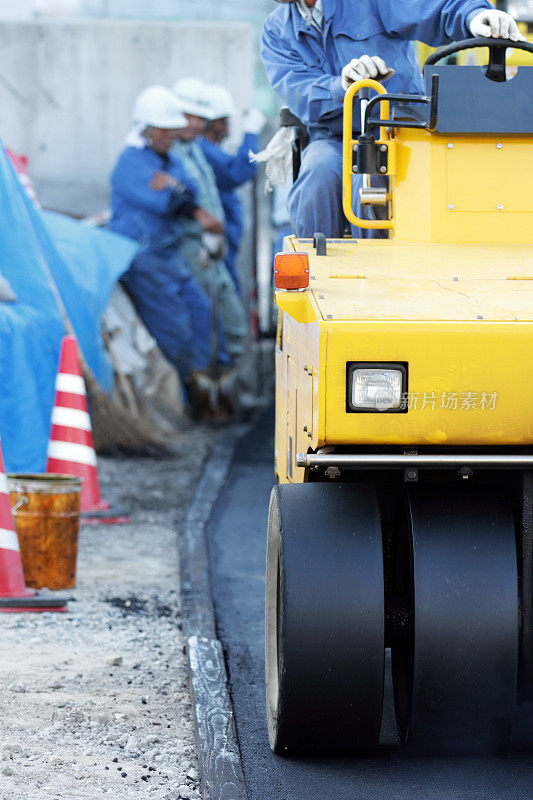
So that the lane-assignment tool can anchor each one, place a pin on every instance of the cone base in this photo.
(95, 508)
(104, 514)
(35, 603)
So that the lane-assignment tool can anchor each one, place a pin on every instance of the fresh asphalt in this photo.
(237, 539)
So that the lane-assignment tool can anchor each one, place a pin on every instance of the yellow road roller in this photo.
(402, 519)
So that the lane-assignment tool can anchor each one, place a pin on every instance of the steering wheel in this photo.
(497, 54)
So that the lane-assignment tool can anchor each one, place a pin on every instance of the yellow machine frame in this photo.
(449, 294)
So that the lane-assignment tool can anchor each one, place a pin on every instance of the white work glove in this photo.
(278, 157)
(365, 67)
(493, 24)
(253, 121)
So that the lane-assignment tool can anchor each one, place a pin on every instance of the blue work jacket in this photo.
(305, 65)
(144, 214)
(231, 171)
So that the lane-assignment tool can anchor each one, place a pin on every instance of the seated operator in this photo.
(150, 193)
(314, 49)
(206, 253)
(231, 170)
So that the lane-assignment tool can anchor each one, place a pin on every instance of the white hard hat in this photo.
(192, 95)
(221, 102)
(156, 106)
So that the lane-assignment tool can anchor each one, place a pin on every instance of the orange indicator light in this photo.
(291, 270)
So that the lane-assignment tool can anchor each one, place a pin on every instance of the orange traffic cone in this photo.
(71, 448)
(14, 596)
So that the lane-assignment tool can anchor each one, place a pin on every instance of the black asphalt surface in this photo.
(237, 540)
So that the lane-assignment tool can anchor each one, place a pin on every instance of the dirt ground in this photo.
(95, 702)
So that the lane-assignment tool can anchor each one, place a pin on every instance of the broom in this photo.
(113, 425)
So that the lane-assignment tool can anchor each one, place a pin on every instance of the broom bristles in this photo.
(115, 427)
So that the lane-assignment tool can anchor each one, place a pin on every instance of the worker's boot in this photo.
(228, 393)
(202, 390)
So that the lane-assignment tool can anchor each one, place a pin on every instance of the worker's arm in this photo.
(309, 93)
(232, 171)
(133, 179)
(431, 21)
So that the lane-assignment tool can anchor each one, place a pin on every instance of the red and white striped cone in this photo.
(71, 448)
(14, 596)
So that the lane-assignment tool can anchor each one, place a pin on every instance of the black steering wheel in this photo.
(495, 70)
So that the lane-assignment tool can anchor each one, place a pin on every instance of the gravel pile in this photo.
(95, 702)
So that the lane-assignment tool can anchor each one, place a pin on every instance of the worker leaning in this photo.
(231, 170)
(151, 196)
(206, 253)
(314, 49)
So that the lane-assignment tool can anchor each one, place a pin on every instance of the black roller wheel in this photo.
(455, 679)
(324, 619)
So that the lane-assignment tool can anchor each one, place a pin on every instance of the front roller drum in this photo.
(455, 680)
(324, 619)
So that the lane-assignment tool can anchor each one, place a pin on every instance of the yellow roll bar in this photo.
(348, 146)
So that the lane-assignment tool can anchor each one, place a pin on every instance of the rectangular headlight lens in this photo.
(376, 389)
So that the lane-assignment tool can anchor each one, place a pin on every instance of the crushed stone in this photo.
(98, 703)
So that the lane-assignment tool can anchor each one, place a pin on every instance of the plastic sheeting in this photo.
(85, 264)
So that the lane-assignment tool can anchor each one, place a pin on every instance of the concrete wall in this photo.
(232, 10)
(67, 89)
(43, 9)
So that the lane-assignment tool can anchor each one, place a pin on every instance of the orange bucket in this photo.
(46, 509)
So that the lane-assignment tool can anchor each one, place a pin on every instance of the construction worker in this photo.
(206, 253)
(231, 171)
(151, 192)
(313, 50)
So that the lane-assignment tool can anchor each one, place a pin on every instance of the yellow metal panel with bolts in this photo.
(468, 188)
(483, 176)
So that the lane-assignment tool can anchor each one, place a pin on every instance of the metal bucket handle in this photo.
(22, 502)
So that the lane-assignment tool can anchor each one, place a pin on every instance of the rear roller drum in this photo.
(455, 679)
(324, 619)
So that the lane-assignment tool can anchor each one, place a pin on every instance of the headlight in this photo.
(376, 387)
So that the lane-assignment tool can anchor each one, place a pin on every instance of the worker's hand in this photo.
(363, 68)
(162, 181)
(209, 223)
(493, 24)
(253, 121)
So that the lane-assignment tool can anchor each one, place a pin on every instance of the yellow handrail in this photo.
(348, 144)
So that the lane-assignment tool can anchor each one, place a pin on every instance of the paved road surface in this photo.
(237, 549)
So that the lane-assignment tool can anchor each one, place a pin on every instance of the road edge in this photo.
(219, 756)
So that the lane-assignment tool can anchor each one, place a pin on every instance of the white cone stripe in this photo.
(73, 384)
(3, 484)
(71, 418)
(70, 451)
(8, 540)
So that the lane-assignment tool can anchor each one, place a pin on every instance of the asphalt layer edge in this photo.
(219, 757)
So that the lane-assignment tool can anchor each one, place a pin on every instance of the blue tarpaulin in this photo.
(85, 264)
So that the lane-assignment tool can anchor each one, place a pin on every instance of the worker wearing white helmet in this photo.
(194, 99)
(151, 196)
(231, 170)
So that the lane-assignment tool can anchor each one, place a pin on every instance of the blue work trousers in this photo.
(175, 309)
(315, 200)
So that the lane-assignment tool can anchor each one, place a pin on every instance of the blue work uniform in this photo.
(232, 171)
(304, 65)
(169, 300)
(212, 275)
